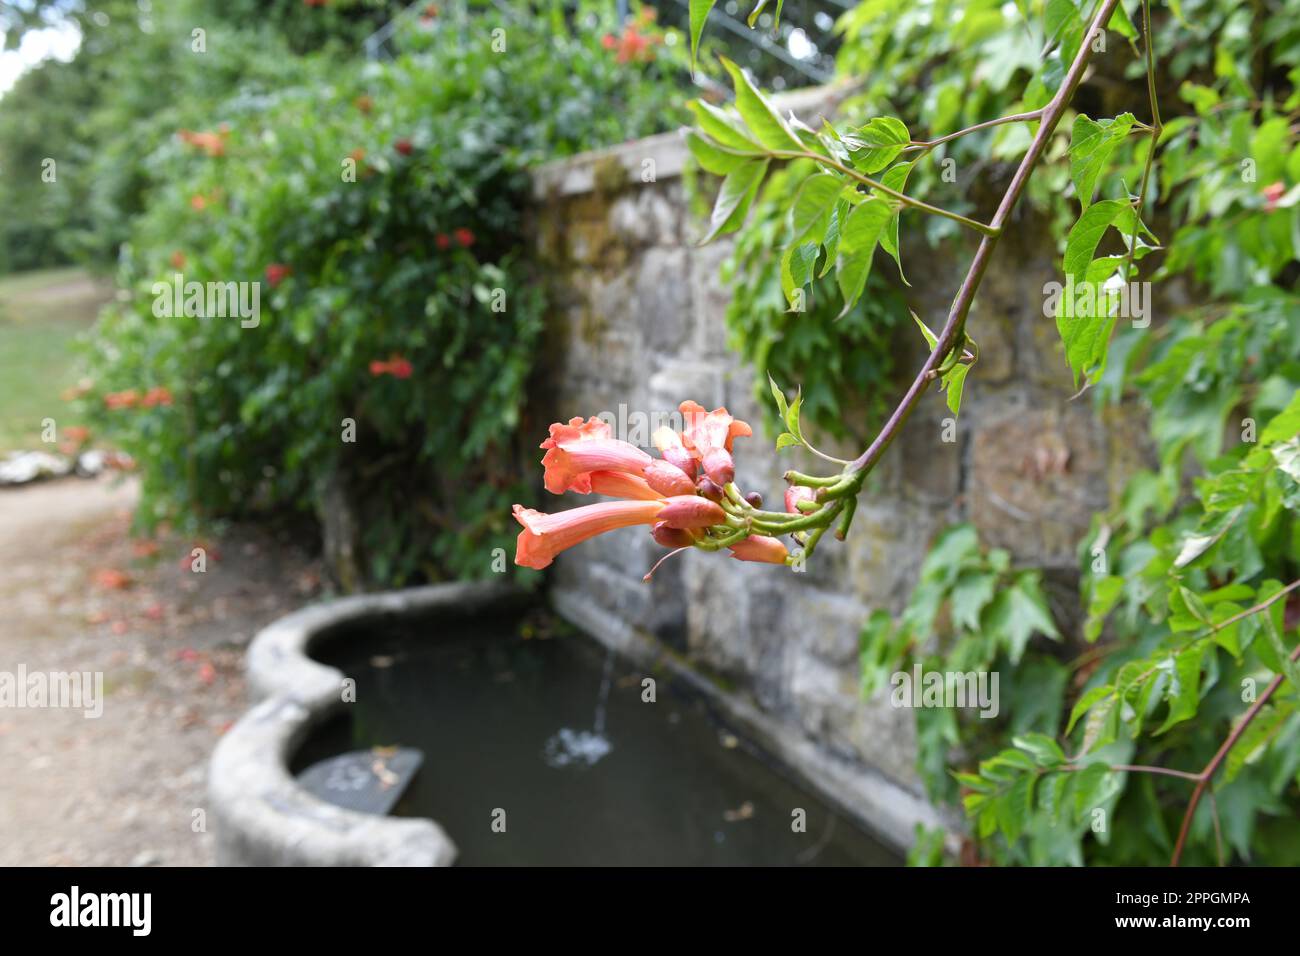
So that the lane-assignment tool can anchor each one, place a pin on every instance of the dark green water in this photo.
(584, 778)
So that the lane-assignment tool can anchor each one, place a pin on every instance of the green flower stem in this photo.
(821, 519)
(811, 481)
(811, 545)
(847, 487)
(717, 544)
(735, 497)
(850, 509)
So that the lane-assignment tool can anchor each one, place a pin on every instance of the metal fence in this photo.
(804, 45)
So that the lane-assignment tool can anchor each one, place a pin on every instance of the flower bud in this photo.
(795, 494)
(691, 511)
(670, 446)
(755, 499)
(667, 479)
(706, 486)
(672, 537)
(760, 548)
(719, 466)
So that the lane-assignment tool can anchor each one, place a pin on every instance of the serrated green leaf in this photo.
(760, 116)
(786, 440)
(1052, 793)
(724, 128)
(1086, 703)
(1017, 807)
(857, 246)
(879, 143)
(699, 13)
(814, 203)
(954, 383)
(1106, 593)
(778, 395)
(970, 594)
(1101, 726)
(1285, 664)
(1045, 751)
(1016, 614)
(1091, 144)
(710, 157)
(1084, 236)
(735, 197)
(797, 265)
(1256, 738)
(896, 179)
(1086, 336)
(1185, 691)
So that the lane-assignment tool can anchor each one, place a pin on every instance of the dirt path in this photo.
(77, 593)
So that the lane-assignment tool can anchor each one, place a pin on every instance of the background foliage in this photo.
(399, 301)
(1152, 677)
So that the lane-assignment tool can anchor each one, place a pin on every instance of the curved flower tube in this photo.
(545, 535)
(569, 464)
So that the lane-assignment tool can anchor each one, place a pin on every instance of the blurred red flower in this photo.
(124, 399)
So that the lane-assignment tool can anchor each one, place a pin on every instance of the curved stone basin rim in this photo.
(261, 816)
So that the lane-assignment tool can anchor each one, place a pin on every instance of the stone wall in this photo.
(637, 320)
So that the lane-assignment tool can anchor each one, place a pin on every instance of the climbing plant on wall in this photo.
(1173, 737)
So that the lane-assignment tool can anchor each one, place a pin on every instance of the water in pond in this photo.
(553, 731)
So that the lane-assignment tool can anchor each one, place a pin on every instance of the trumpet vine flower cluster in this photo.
(688, 497)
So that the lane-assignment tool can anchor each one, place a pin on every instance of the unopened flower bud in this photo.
(691, 511)
(760, 548)
(755, 499)
(719, 466)
(795, 494)
(708, 488)
(672, 537)
(668, 479)
(670, 446)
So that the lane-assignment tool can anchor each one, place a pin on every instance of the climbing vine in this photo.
(1178, 730)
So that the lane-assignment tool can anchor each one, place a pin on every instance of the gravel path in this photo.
(78, 593)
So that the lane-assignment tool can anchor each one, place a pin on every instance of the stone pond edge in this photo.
(259, 813)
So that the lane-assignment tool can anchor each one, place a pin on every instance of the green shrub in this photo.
(380, 206)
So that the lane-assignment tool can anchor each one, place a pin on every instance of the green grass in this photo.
(41, 313)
